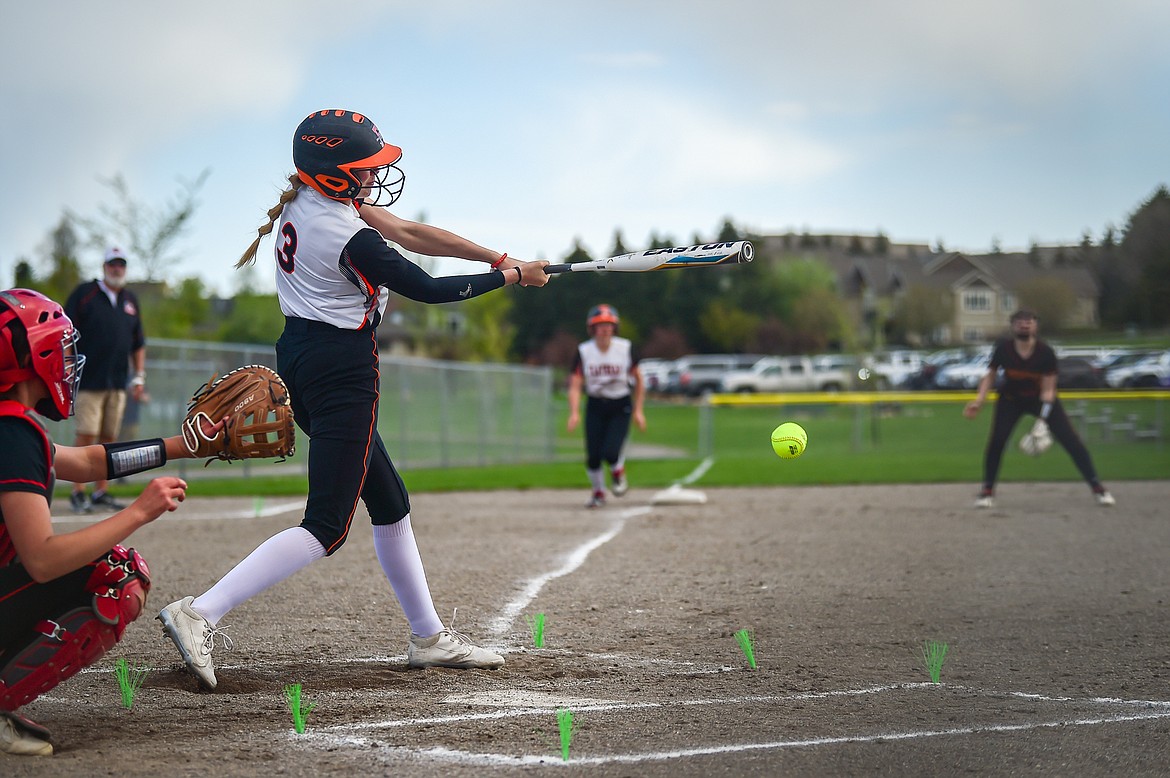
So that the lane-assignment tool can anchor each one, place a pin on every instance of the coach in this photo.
(107, 316)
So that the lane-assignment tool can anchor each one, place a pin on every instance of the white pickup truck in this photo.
(788, 374)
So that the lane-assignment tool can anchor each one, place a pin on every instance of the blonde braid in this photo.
(286, 197)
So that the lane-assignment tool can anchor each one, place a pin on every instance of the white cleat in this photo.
(450, 649)
(1106, 499)
(194, 637)
(620, 485)
(21, 737)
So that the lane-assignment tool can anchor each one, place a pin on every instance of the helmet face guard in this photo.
(52, 343)
(384, 186)
(335, 152)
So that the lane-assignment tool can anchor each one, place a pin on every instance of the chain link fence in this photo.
(432, 413)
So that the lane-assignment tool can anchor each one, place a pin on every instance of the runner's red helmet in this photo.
(33, 325)
(331, 147)
(600, 314)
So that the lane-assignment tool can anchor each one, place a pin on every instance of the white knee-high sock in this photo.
(400, 560)
(596, 479)
(273, 560)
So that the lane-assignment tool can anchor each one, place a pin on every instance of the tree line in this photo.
(790, 304)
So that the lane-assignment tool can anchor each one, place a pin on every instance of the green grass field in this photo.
(908, 443)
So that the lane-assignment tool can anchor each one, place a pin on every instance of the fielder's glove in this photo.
(259, 416)
(1037, 440)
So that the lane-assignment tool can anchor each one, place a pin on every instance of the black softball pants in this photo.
(1008, 411)
(607, 423)
(333, 380)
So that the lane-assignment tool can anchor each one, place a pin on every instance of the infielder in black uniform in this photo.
(606, 368)
(65, 598)
(333, 272)
(1028, 387)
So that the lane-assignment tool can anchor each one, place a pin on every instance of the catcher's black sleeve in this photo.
(380, 265)
(24, 457)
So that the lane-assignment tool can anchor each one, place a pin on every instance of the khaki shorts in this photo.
(99, 412)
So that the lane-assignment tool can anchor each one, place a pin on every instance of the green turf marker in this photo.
(536, 623)
(565, 725)
(292, 693)
(257, 506)
(745, 642)
(130, 678)
(933, 656)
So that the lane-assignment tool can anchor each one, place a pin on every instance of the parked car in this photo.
(1079, 373)
(926, 376)
(1120, 358)
(786, 374)
(842, 366)
(963, 375)
(892, 369)
(1147, 371)
(698, 373)
(655, 373)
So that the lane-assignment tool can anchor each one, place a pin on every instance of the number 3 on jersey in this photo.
(286, 252)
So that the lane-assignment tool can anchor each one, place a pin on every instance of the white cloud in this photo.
(624, 60)
(667, 148)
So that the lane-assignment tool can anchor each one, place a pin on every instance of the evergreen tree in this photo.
(1145, 250)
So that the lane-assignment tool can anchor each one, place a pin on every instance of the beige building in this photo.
(873, 274)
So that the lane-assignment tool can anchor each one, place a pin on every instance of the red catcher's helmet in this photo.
(331, 147)
(600, 314)
(28, 317)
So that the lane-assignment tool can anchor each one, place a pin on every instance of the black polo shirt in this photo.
(109, 334)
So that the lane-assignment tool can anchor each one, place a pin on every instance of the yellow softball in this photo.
(789, 440)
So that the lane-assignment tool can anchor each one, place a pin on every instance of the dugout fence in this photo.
(432, 413)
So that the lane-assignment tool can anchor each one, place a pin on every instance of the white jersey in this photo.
(606, 373)
(314, 279)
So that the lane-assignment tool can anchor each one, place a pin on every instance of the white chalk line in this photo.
(442, 753)
(761, 699)
(573, 560)
(697, 473)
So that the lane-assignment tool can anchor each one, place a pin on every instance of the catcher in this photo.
(65, 599)
(1029, 387)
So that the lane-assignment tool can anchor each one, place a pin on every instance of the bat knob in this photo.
(748, 252)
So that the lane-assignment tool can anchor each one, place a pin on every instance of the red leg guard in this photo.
(78, 638)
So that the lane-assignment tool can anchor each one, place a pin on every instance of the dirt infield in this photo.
(1056, 613)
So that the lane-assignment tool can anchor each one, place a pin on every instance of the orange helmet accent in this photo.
(600, 314)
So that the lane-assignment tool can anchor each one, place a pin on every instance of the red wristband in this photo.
(500, 261)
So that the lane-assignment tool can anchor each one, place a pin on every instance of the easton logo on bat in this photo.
(683, 249)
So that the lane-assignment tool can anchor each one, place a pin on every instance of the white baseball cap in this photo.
(115, 253)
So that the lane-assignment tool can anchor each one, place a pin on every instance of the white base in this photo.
(676, 495)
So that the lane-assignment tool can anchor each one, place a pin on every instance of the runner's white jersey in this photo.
(606, 373)
(314, 278)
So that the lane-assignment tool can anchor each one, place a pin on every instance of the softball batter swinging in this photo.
(334, 271)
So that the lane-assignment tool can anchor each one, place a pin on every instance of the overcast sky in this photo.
(526, 126)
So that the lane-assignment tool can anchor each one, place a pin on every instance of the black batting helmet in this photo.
(331, 147)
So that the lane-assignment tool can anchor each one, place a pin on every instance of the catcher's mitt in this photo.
(260, 418)
(1037, 440)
